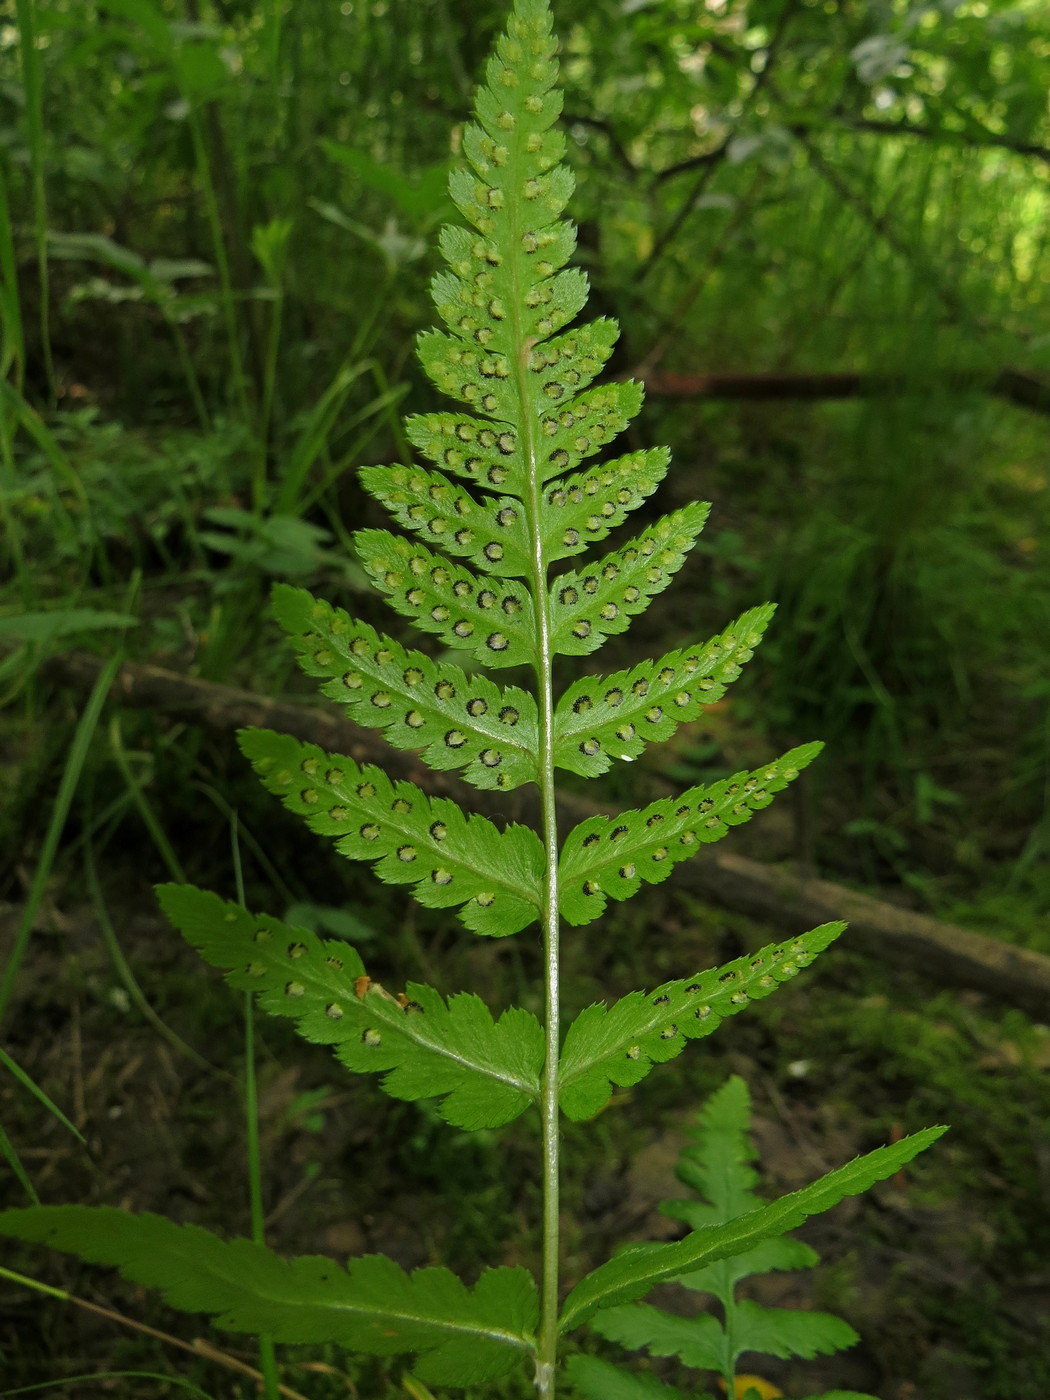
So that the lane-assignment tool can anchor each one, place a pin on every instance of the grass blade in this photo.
(78, 752)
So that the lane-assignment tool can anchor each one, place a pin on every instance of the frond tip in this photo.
(619, 1045)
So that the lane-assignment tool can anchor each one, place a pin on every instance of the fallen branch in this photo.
(1015, 385)
(944, 952)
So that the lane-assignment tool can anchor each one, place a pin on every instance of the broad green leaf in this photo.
(634, 1272)
(492, 534)
(579, 510)
(788, 1332)
(608, 857)
(588, 606)
(449, 856)
(619, 1045)
(696, 1341)
(486, 1073)
(459, 721)
(493, 619)
(461, 1335)
(594, 1379)
(601, 718)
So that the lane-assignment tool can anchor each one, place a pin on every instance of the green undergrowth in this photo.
(208, 417)
(829, 1076)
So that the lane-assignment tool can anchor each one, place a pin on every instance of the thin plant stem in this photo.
(27, 1082)
(244, 834)
(267, 1355)
(124, 972)
(78, 752)
(25, 11)
(546, 1361)
(142, 805)
(14, 345)
(179, 1381)
(273, 345)
(222, 262)
(193, 383)
(11, 1157)
(9, 522)
(196, 1348)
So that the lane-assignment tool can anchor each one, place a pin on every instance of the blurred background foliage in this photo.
(217, 224)
(221, 232)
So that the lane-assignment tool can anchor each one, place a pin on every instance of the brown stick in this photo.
(1015, 385)
(944, 952)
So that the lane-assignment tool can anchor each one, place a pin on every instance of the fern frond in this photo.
(608, 857)
(484, 451)
(461, 1335)
(490, 534)
(493, 619)
(482, 378)
(450, 857)
(486, 1073)
(639, 1268)
(717, 1162)
(784, 1253)
(601, 718)
(583, 425)
(588, 606)
(579, 510)
(701, 1342)
(459, 721)
(619, 1045)
(787, 1332)
(594, 1379)
(696, 1341)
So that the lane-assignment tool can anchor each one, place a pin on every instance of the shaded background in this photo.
(218, 228)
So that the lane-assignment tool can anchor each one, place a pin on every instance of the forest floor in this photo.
(942, 1270)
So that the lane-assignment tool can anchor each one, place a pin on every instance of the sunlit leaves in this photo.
(485, 1072)
(608, 857)
(601, 718)
(451, 858)
(618, 1045)
(461, 1335)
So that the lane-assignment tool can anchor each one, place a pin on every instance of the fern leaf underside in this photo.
(371, 1306)
(486, 1072)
